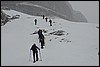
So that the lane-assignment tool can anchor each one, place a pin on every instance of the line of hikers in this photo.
(41, 40)
(50, 21)
(34, 47)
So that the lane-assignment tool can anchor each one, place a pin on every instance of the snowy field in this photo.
(79, 46)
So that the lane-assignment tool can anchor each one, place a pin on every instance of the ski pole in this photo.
(30, 56)
(40, 56)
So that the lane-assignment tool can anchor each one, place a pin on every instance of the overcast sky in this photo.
(90, 9)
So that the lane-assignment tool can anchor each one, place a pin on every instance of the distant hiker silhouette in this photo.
(46, 19)
(35, 21)
(43, 16)
(50, 22)
(35, 52)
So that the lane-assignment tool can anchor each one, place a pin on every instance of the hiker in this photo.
(46, 19)
(39, 32)
(41, 39)
(43, 16)
(35, 52)
(35, 21)
(50, 22)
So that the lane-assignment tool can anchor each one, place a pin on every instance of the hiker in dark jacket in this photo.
(42, 40)
(35, 51)
(40, 32)
(46, 19)
(43, 16)
(35, 21)
(50, 22)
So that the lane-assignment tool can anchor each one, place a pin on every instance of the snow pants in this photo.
(42, 42)
(35, 53)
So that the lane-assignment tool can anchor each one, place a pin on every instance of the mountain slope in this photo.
(79, 46)
(60, 9)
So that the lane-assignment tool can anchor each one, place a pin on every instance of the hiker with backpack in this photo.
(41, 38)
(35, 52)
(39, 33)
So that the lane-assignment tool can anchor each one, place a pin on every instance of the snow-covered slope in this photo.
(79, 46)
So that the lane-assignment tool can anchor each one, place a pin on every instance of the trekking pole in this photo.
(40, 55)
(30, 56)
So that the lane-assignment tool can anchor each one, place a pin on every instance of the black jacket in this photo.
(34, 48)
(40, 32)
(41, 36)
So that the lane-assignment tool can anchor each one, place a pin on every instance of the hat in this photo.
(34, 44)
